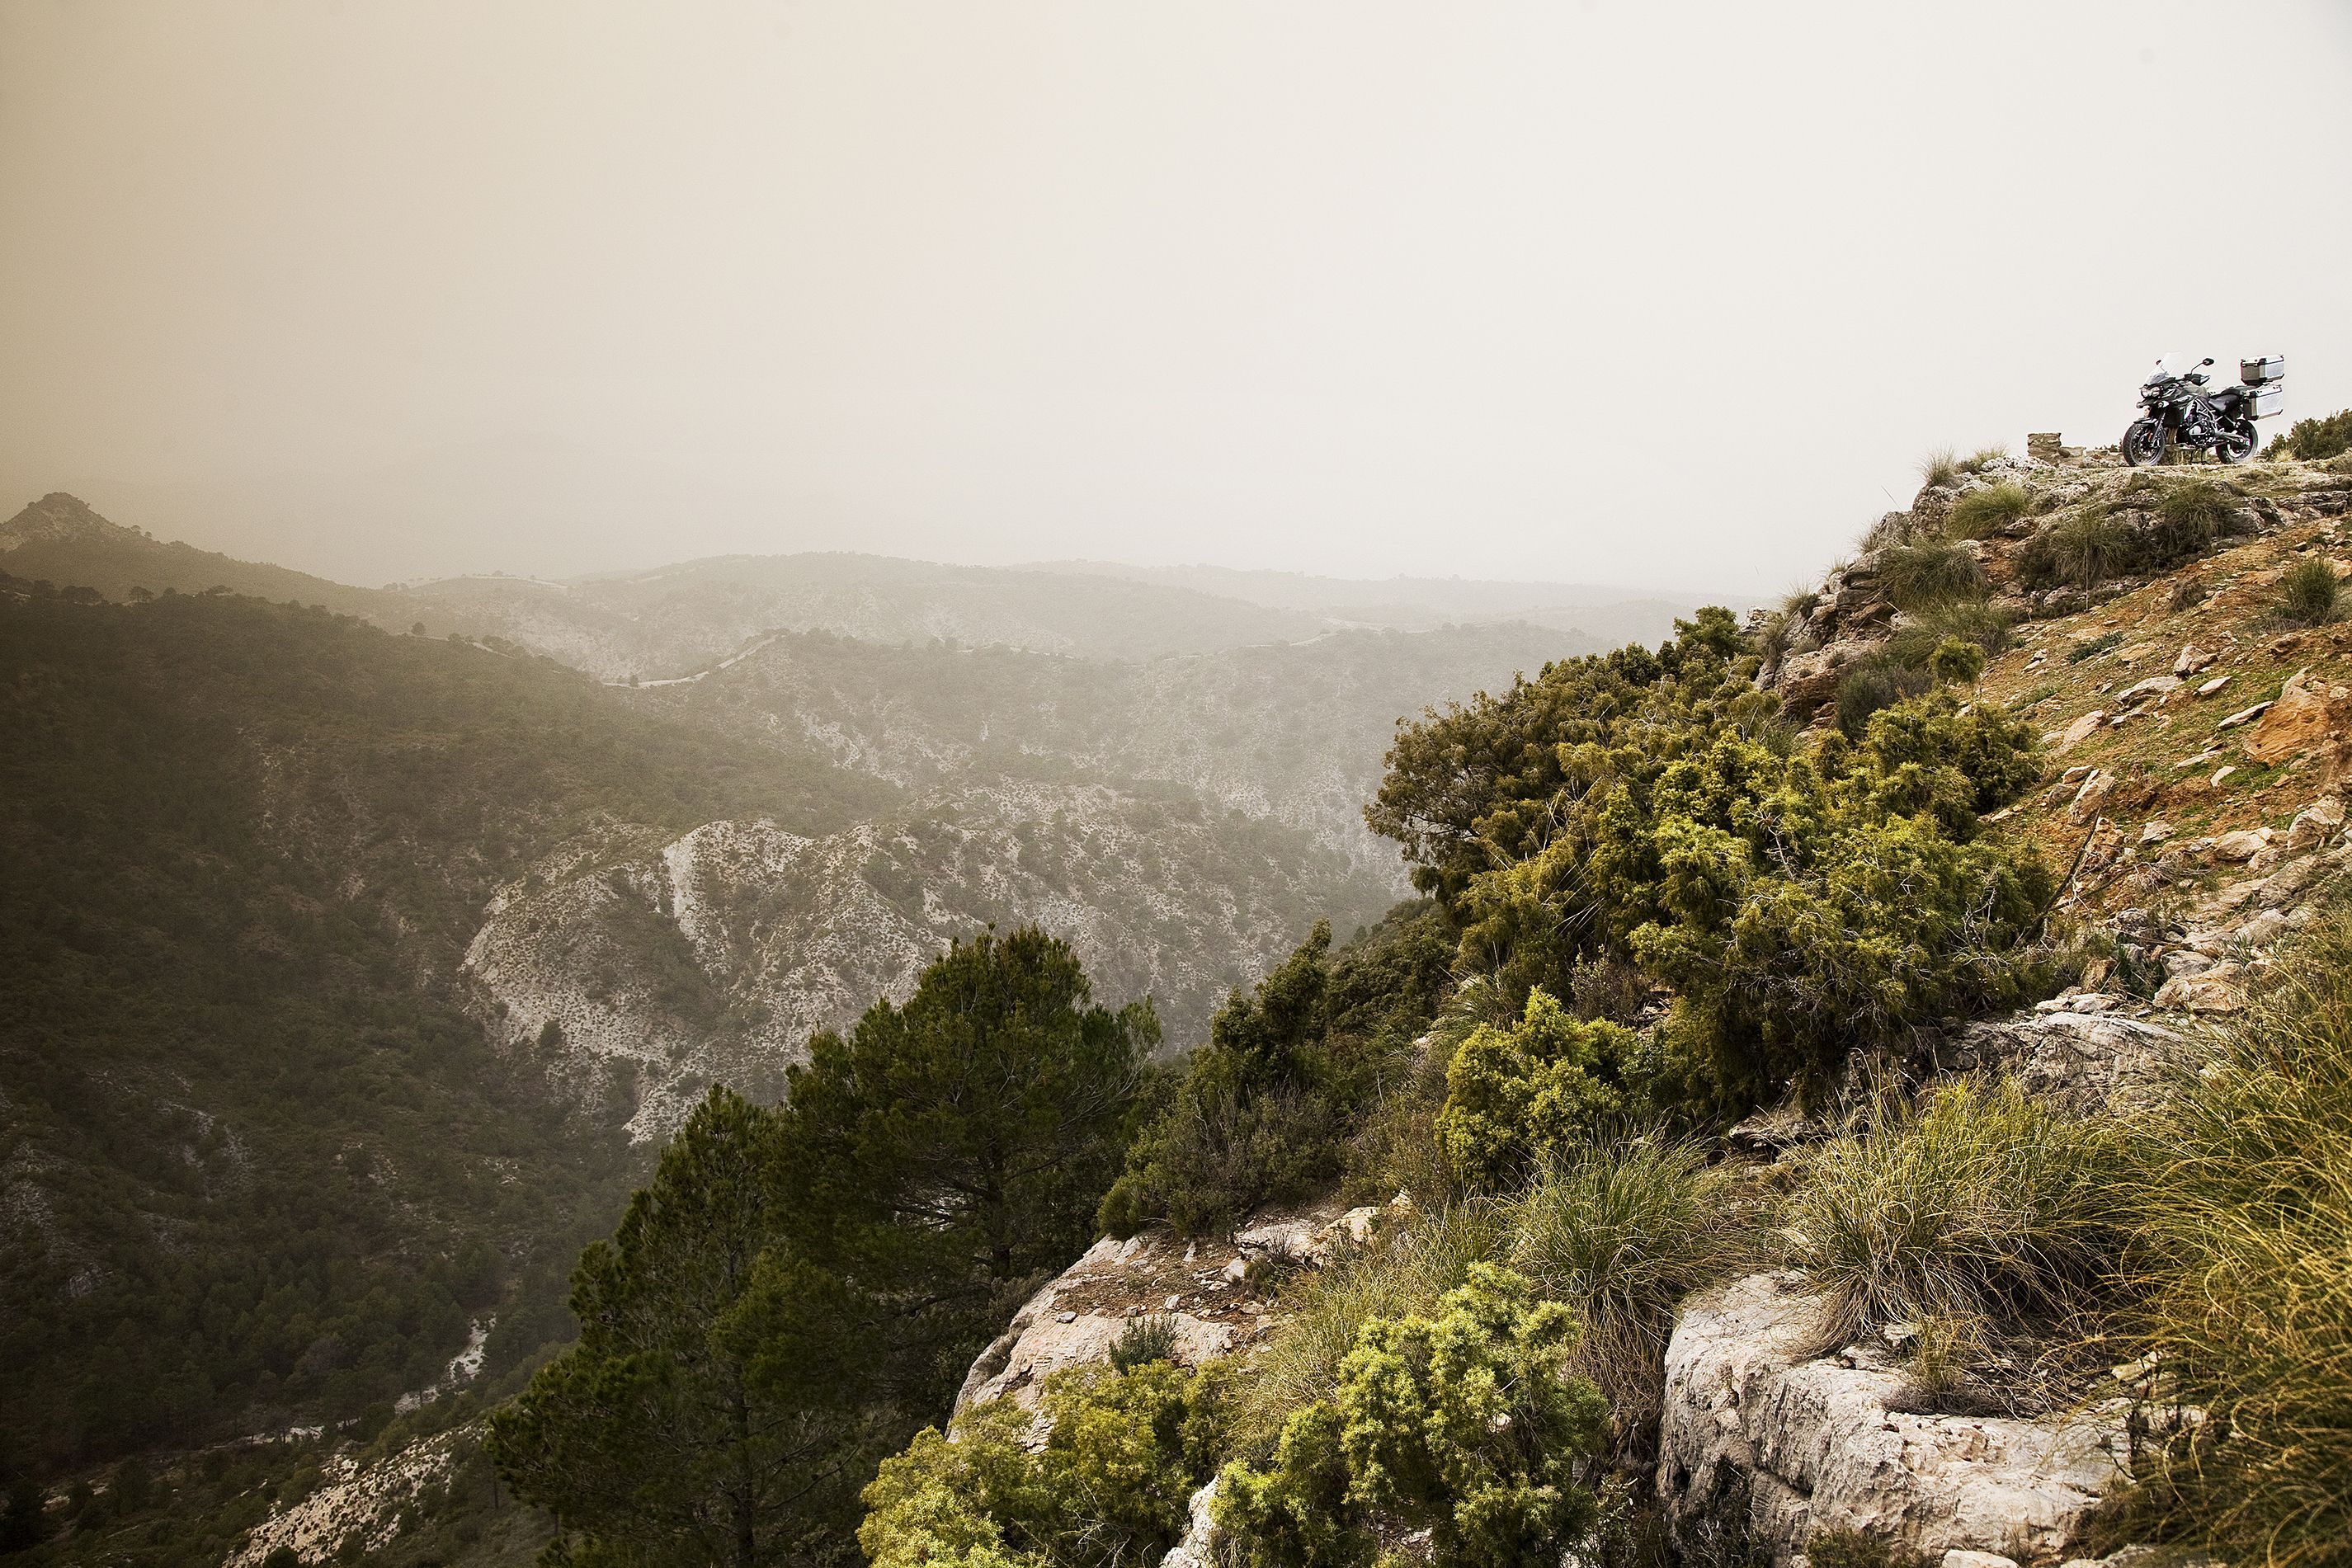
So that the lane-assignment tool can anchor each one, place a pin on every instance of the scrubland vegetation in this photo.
(1650, 906)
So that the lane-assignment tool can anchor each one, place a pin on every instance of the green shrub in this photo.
(1917, 576)
(1651, 810)
(1535, 1091)
(2315, 440)
(1877, 682)
(2110, 540)
(2242, 1213)
(1622, 1230)
(1263, 1110)
(1108, 1489)
(1979, 1212)
(1143, 1341)
(1956, 661)
(1979, 621)
(1982, 513)
(1983, 457)
(1460, 1424)
(2309, 593)
(1940, 468)
(1403, 1272)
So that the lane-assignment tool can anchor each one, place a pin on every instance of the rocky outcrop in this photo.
(2309, 716)
(2089, 1056)
(668, 961)
(1756, 1432)
(367, 1502)
(1198, 1549)
(1205, 1290)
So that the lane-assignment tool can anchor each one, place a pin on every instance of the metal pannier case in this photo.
(2266, 400)
(2256, 372)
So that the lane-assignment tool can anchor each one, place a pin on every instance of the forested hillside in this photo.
(263, 1163)
(344, 967)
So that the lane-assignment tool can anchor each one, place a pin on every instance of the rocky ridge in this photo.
(2187, 875)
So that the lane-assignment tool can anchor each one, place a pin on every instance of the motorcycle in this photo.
(2185, 411)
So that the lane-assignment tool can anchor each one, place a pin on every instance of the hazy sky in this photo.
(1657, 293)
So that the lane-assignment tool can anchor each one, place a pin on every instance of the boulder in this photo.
(2083, 1056)
(1046, 1337)
(2315, 824)
(2308, 714)
(2243, 844)
(2214, 990)
(2082, 729)
(2091, 796)
(1755, 1428)
(2154, 686)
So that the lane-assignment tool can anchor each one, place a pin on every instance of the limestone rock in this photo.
(2091, 796)
(2082, 729)
(2307, 716)
(2315, 824)
(2082, 1056)
(2244, 716)
(1042, 1340)
(2214, 990)
(1751, 1428)
(2241, 845)
(2154, 686)
(1198, 1549)
(1201, 1287)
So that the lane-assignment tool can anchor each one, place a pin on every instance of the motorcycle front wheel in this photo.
(2237, 442)
(2142, 443)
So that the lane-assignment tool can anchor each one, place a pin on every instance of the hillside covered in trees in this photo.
(1828, 1096)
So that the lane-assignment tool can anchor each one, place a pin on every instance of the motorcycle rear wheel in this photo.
(2142, 443)
(2237, 444)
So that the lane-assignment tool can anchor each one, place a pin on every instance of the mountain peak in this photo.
(57, 517)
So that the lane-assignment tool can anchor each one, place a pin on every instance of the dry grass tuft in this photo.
(2310, 595)
(1968, 1219)
(1917, 576)
(2244, 1237)
(1981, 513)
(1621, 1233)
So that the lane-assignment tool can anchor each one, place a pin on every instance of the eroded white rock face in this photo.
(1752, 1427)
(1044, 1337)
(2088, 1061)
(350, 1501)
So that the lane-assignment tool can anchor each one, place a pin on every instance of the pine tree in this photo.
(713, 1411)
(950, 1150)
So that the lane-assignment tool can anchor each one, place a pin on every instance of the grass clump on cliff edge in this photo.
(1967, 1219)
(1983, 512)
(1921, 575)
(1944, 466)
(1621, 1230)
(2241, 1239)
